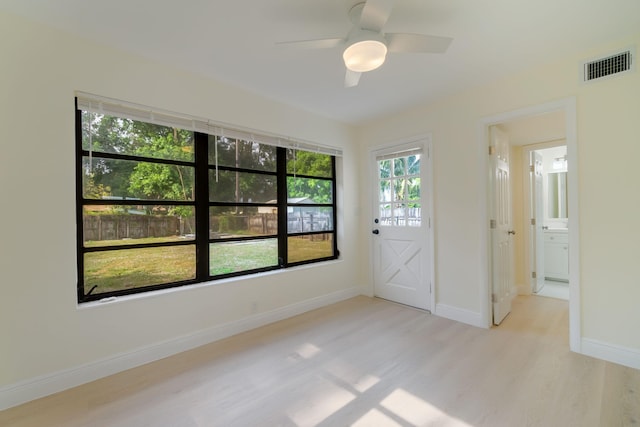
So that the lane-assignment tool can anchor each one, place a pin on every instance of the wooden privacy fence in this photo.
(117, 227)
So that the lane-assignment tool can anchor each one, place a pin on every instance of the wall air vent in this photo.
(613, 64)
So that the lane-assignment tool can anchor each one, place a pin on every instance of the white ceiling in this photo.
(233, 41)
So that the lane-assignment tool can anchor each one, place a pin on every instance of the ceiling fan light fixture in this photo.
(365, 55)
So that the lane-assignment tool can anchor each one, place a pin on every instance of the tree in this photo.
(309, 164)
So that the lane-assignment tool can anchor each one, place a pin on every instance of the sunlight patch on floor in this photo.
(375, 418)
(327, 400)
(416, 411)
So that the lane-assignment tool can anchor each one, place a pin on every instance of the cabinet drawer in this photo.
(556, 237)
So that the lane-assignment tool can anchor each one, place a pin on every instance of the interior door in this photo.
(537, 214)
(502, 274)
(401, 245)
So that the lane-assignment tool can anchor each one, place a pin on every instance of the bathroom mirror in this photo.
(557, 195)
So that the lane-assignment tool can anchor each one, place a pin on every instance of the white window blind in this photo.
(113, 107)
(396, 154)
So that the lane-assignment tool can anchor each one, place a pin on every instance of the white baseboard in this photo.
(31, 389)
(611, 353)
(459, 314)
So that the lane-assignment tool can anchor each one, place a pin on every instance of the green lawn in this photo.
(134, 268)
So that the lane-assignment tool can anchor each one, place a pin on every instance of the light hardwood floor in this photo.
(364, 362)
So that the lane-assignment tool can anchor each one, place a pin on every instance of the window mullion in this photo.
(79, 205)
(282, 206)
(202, 205)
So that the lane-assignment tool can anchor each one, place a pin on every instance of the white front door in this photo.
(402, 258)
(501, 226)
(537, 215)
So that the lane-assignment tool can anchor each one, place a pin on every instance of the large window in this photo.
(162, 206)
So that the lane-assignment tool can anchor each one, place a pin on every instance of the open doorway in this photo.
(542, 126)
(546, 219)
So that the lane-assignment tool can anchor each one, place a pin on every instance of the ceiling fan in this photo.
(366, 46)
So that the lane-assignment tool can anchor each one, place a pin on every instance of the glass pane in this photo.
(305, 248)
(242, 187)
(399, 166)
(109, 179)
(399, 214)
(384, 167)
(302, 219)
(307, 163)
(233, 257)
(385, 191)
(413, 185)
(105, 225)
(385, 214)
(239, 221)
(110, 134)
(309, 190)
(135, 268)
(238, 153)
(414, 165)
(414, 215)
(399, 186)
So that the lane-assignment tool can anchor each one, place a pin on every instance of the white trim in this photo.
(568, 106)
(611, 353)
(25, 391)
(469, 317)
(424, 143)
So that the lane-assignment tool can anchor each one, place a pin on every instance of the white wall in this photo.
(44, 332)
(607, 113)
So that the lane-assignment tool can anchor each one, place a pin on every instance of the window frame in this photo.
(201, 205)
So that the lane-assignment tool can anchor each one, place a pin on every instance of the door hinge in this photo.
(430, 287)
(533, 221)
(494, 298)
(492, 223)
(534, 275)
(429, 223)
(532, 168)
(491, 150)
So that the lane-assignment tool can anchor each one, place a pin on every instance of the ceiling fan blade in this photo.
(311, 44)
(352, 78)
(417, 43)
(375, 14)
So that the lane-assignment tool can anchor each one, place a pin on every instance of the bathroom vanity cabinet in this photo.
(556, 255)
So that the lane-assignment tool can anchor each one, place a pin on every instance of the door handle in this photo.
(375, 231)
(512, 232)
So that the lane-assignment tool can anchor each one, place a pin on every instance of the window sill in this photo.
(188, 288)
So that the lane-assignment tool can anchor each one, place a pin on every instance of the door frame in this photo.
(526, 152)
(568, 106)
(424, 141)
